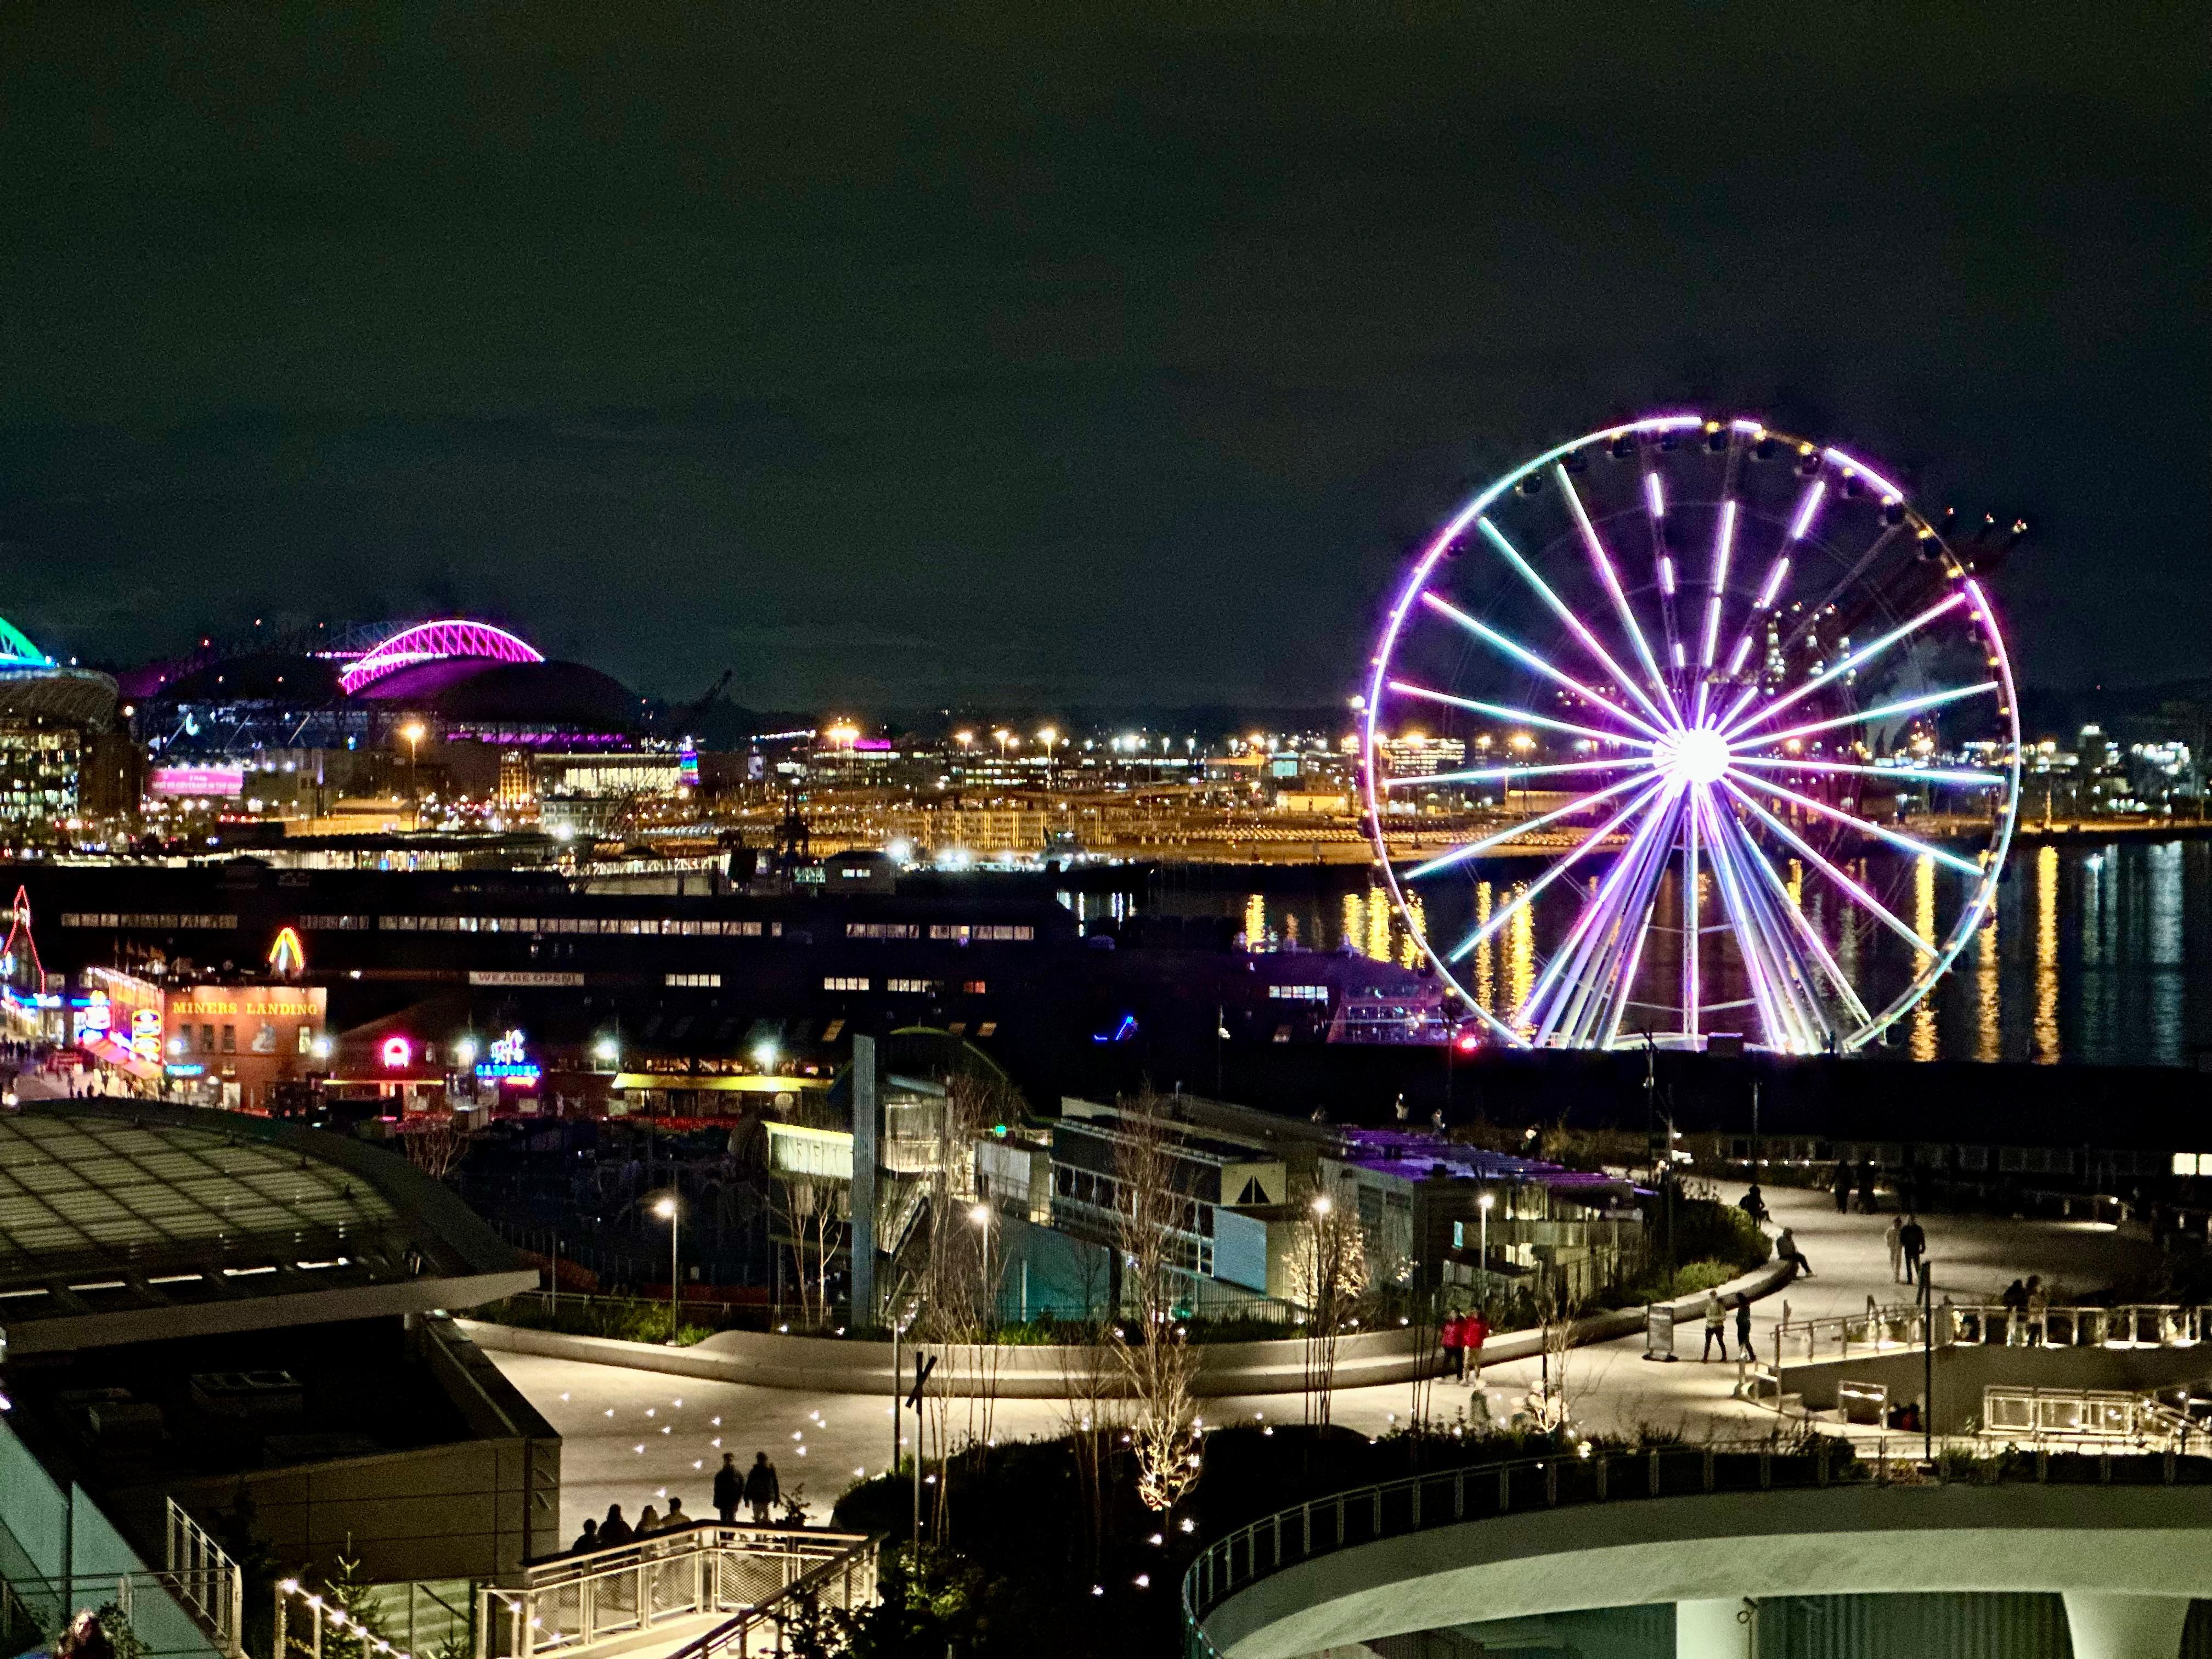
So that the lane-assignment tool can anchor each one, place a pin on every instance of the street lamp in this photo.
(1483, 1204)
(981, 1215)
(414, 732)
(666, 1211)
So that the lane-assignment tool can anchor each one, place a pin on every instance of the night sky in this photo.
(981, 357)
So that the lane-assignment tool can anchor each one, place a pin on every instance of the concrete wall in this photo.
(1963, 1371)
(835, 1366)
(1847, 1540)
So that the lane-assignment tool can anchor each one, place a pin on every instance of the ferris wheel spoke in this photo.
(1517, 716)
(1792, 970)
(1850, 661)
(1816, 947)
(1495, 773)
(1526, 896)
(1611, 580)
(1575, 624)
(1642, 904)
(1767, 975)
(1859, 567)
(1527, 658)
(1476, 848)
(1962, 777)
(1896, 838)
(1557, 992)
(1878, 713)
(1770, 590)
(1866, 901)
(1716, 583)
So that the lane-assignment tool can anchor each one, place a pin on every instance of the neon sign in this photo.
(509, 1063)
(287, 956)
(397, 1053)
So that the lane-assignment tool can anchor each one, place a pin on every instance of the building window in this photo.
(973, 988)
(230, 1039)
(919, 988)
(883, 930)
(1297, 992)
(206, 1039)
(693, 982)
(844, 982)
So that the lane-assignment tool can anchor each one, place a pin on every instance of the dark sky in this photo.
(982, 355)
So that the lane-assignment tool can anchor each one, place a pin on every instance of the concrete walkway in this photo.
(634, 1437)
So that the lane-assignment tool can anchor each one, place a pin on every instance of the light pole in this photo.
(1483, 1205)
(981, 1215)
(666, 1210)
(414, 732)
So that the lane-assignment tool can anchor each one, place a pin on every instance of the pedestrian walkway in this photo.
(636, 1437)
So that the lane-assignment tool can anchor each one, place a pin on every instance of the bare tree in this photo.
(813, 1208)
(1328, 1273)
(1156, 1216)
(435, 1143)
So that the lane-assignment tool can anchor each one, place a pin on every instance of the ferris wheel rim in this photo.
(1968, 592)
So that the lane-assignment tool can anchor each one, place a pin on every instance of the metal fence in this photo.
(845, 1583)
(1887, 1329)
(2088, 1417)
(572, 1603)
(1588, 1475)
(204, 1578)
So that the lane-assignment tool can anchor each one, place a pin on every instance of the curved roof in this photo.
(436, 641)
(123, 1222)
(549, 695)
(73, 696)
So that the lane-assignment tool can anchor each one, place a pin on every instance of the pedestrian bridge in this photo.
(2127, 1541)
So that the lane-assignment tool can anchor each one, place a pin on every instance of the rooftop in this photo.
(124, 1222)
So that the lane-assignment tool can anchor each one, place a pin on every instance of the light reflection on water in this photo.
(2100, 955)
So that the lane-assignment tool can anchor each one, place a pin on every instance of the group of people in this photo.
(757, 1487)
(1461, 1336)
(1716, 1326)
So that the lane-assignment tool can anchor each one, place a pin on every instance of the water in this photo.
(2096, 954)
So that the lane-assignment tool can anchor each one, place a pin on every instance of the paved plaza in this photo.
(636, 1436)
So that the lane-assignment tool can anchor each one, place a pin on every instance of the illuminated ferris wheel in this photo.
(1711, 731)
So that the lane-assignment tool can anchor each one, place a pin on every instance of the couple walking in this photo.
(1461, 1336)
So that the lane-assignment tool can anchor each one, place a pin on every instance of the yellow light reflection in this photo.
(1520, 954)
(1486, 988)
(1355, 925)
(1989, 1034)
(2044, 1046)
(1255, 922)
(1409, 950)
(1378, 924)
(1924, 923)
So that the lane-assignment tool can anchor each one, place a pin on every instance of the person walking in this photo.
(587, 1540)
(1447, 1338)
(1474, 1332)
(1843, 1187)
(1743, 1328)
(614, 1529)
(675, 1520)
(729, 1490)
(1890, 1236)
(1785, 1249)
(1753, 1205)
(1868, 1204)
(762, 1487)
(1716, 1328)
(1912, 1240)
(2038, 1304)
(648, 1521)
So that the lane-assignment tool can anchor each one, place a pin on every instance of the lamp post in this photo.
(1483, 1205)
(414, 732)
(981, 1215)
(666, 1210)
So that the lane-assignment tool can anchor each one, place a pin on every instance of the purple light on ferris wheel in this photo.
(1806, 508)
(1655, 494)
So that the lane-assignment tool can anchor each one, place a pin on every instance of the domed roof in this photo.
(564, 696)
(273, 675)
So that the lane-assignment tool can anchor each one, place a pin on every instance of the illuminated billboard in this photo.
(175, 781)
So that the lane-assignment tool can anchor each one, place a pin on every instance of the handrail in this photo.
(572, 1604)
(1899, 1325)
(855, 1570)
(1584, 1475)
(201, 1575)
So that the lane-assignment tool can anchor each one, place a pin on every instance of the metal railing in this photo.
(844, 1583)
(1886, 1329)
(205, 1580)
(1588, 1475)
(2088, 1417)
(572, 1602)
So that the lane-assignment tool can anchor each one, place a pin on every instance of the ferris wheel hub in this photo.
(1696, 754)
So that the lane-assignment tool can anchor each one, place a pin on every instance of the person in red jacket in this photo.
(1474, 1332)
(1448, 1336)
